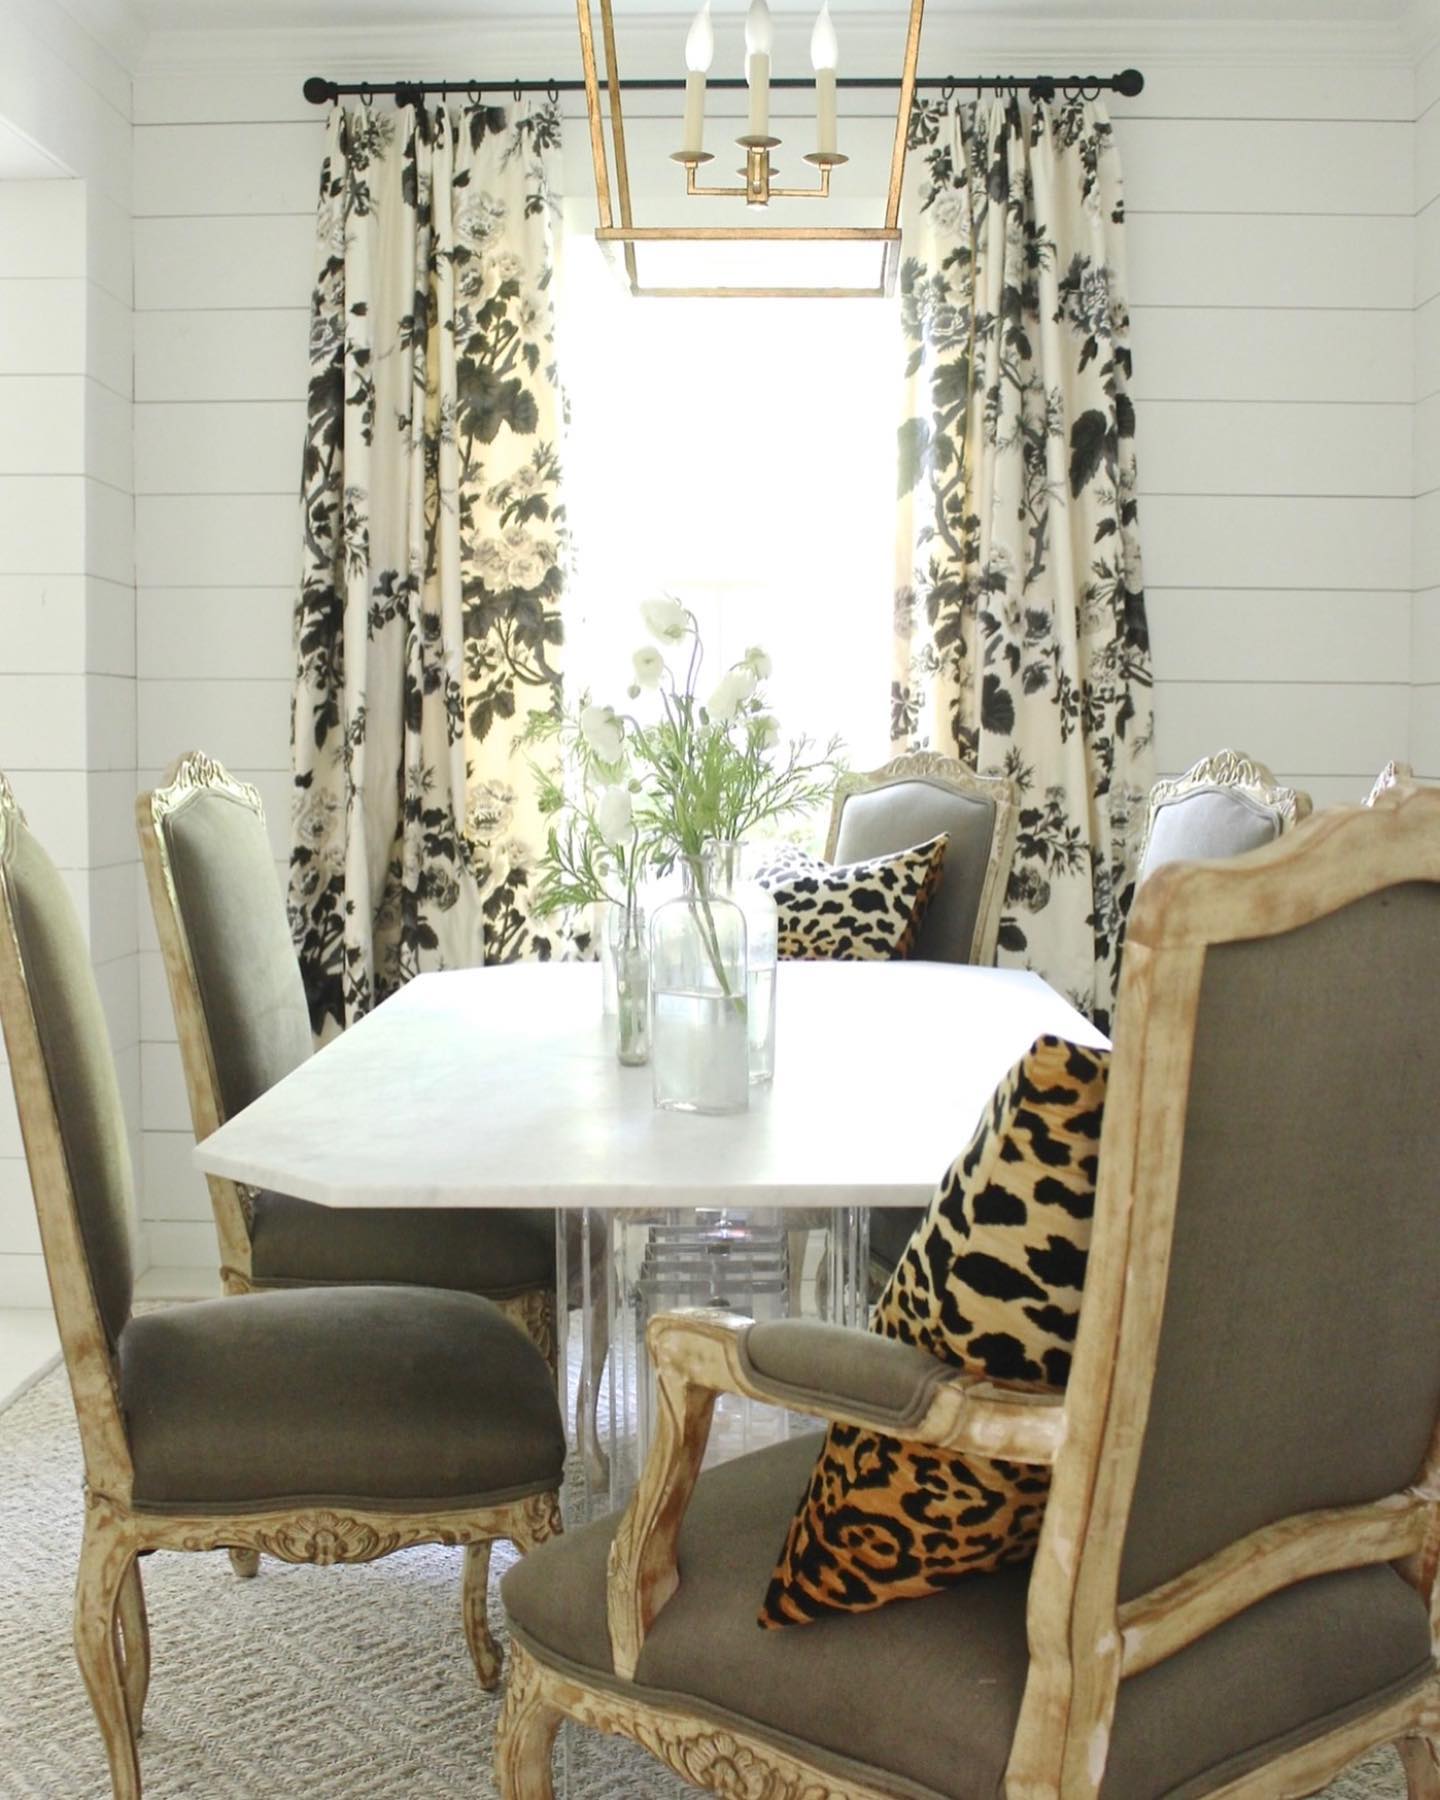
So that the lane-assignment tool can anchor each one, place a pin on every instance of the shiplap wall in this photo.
(1273, 281)
(67, 605)
(1425, 640)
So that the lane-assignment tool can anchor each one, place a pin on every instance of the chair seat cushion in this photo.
(475, 1250)
(369, 1395)
(922, 1700)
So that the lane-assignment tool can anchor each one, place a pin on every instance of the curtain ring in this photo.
(472, 93)
(367, 94)
(517, 93)
(552, 93)
(947, 94)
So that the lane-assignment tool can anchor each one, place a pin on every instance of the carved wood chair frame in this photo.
(1393, 780)
(112, 1640)
(930, 768)
(1230, 772)
(1083, 1642)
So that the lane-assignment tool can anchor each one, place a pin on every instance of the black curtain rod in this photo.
(321, 92)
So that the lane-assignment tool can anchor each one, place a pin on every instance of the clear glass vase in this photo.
(700, 1052)
(761, 953)
(630, 959)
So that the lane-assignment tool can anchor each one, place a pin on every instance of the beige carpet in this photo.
(334, 1684)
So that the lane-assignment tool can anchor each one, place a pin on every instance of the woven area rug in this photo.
(335, 1684)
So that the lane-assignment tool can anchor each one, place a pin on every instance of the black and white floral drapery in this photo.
(429, 621)
(1021, 641)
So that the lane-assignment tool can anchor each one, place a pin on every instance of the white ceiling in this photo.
(180, 15)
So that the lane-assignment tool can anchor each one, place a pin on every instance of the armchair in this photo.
(1235, 1590)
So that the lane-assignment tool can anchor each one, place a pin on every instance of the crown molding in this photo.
(114, 26)
(534, 47)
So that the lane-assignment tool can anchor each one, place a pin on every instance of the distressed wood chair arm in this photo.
(698, 1354)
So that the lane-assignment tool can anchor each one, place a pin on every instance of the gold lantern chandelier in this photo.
(874, 248)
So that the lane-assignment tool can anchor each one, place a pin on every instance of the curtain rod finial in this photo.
(318, 91)
(1129, 82)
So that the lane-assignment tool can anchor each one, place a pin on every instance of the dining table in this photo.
(500, 1087)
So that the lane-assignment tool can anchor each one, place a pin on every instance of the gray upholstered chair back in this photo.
(1223, 806)
(1299, 1356)
(918, 797)
(232, 917)
(76, 1067)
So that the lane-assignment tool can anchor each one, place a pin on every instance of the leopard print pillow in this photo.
(852, 912)
(990, 1281)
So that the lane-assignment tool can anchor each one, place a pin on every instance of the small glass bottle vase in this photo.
(630, 959)
(761, 941)
(699, 1041)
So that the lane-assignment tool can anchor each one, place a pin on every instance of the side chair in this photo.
(1235, 1589)
(913, 798)
(1226, 804)
(243, 1024)
(325, 1427)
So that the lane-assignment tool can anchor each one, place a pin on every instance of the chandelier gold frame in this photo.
(628, 234)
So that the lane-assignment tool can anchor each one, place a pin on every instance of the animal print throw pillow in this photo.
(852, 912)
(991, 1282)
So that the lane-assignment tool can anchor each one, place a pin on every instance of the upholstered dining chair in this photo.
(1235, 1588)
(1225, 804)
(323, 1427)
(242, 1022)
(913, 798)
(916, 797)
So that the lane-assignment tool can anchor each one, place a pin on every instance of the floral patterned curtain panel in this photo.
(429, 620)
(1021, 641)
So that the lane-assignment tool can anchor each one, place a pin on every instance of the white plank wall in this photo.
(1425, 638)
(67, 605)
(1274, 271)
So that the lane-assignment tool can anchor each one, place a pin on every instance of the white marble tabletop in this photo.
(499, 1087)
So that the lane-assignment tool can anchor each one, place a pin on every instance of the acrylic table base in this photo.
(765, 1262)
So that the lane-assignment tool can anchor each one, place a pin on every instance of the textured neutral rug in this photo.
(335, 1684)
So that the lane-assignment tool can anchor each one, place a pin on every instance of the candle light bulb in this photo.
(824, 48)
(700, 44)
(759, 32)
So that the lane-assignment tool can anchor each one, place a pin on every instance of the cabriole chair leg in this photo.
(1421, 1757)
(484, 1652)
(135, 1645)
(106, 1562)
(525, 1736)
(245, 1563)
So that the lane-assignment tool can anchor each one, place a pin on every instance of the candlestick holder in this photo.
(759, 173)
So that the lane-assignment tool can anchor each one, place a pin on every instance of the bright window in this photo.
(739, 454)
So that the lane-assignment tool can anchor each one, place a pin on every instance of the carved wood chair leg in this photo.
(525, 1736)
(135, 1642)
(484, 1652)
(1421, 1757)
(105, 1564)
(245, 1563)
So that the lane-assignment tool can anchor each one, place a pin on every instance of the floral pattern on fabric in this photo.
(428, 627)
(1021, 643)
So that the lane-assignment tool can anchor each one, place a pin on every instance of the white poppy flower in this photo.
(614, 815)
(602, 731)
(731, 693)
(649, 667)
(759, 661)
(665, 619)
